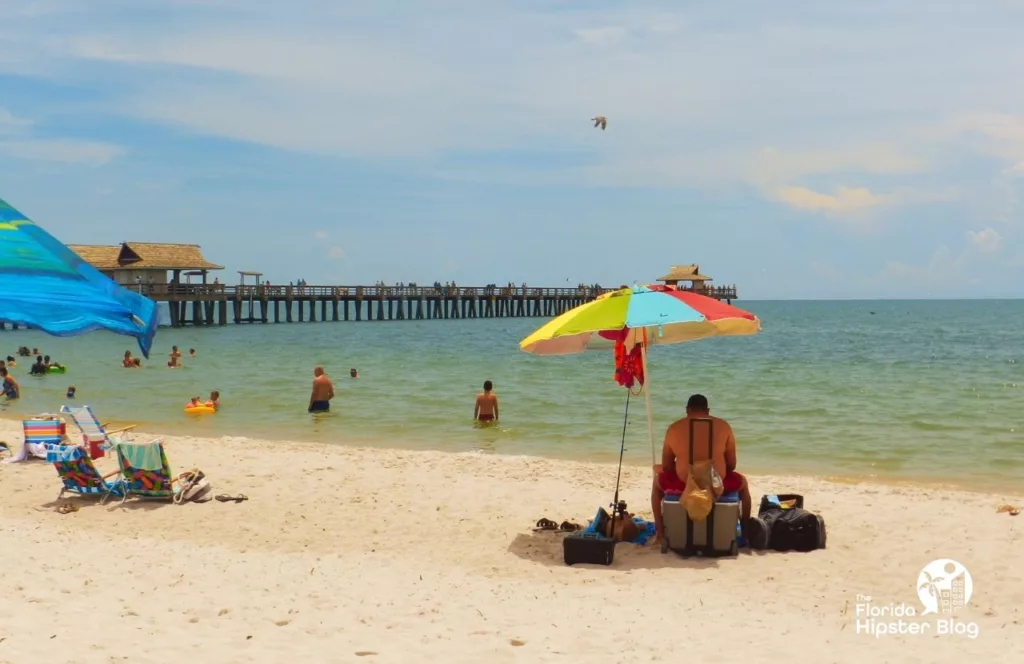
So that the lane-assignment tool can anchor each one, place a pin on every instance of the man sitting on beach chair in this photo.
(670, 477)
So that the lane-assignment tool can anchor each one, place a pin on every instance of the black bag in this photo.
(590, 548)
(792, 528)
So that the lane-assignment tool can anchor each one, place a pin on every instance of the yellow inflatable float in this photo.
(199, 409)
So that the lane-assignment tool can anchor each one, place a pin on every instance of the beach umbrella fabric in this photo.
(661, 314)
(644, 316)
(45, 285)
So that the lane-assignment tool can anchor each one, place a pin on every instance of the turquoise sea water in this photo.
(916, 390)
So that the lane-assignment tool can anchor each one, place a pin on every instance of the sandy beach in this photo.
(354, 555)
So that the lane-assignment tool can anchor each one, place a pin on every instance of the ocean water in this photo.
(900, 390)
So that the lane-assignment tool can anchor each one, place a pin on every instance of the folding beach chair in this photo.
(90, 426)
(145, 471)
(78, 474)
(41, 432)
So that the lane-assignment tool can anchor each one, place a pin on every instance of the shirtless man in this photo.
(670, 477)
(486, 408)
(323, 392)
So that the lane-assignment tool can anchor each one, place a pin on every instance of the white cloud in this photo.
(335, 253)
(845, 199)
(320, 235)
(12, 124)
(66, 151)
(17, 140)
(943, 270)
(987, 241)
(601, 36)
(692, 99)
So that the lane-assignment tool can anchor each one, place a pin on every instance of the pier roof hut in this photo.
(686, 273)
(146, 262)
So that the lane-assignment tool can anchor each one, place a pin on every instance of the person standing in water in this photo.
(486, 408)
(8, 386)
(323, 392)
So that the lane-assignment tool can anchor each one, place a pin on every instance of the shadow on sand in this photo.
(545, 548)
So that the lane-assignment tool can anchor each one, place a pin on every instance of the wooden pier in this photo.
(217, 304)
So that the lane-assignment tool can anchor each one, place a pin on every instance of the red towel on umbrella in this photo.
(629, 367)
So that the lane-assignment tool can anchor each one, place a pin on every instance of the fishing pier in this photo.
(178, 275)
(215, 304)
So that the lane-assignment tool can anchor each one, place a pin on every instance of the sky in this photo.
(799, 150)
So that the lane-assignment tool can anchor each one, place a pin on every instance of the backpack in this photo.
(790, 527)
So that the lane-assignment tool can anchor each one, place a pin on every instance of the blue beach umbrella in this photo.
(45, 285)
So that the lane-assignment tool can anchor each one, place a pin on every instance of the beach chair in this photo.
(89, 425)
(78, 474)
(39, 432)
(145, 471)
(42, 432)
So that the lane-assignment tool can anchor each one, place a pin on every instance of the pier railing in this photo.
(223, 291)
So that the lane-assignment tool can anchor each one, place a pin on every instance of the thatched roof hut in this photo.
(144, 256)
(679, 273)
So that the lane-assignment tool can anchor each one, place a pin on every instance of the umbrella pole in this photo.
(647, 397)
(622, 448)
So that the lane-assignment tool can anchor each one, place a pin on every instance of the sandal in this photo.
(545, 524)
(224, 498)
(1011, 509)
(568, 527)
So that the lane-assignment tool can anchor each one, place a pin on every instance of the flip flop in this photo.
(568, 527)
(545, 524)
(224, 498)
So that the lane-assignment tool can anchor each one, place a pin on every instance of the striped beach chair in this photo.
(145, 471)
(90, 426)
(78, 473)
(39, 433)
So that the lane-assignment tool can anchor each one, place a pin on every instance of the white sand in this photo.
(420, 556)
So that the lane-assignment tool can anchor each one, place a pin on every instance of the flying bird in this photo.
(600, 121)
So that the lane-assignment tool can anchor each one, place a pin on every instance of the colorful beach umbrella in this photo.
(640, 316)
(663, 314)
(45, 285)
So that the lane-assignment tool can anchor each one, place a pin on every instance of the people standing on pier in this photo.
(486, 408)
(323, 392)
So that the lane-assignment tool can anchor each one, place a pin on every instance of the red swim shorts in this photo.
(671, 484)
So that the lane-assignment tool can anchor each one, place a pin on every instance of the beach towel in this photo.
(148, 456)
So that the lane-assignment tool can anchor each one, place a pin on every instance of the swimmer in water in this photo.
(8, 386)
(191, 352)
(214, 401)
(486, 408)
(71, 392)
(353, 373)
(194, 403)
(323, 392)
(128, 362)
(11, 362)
